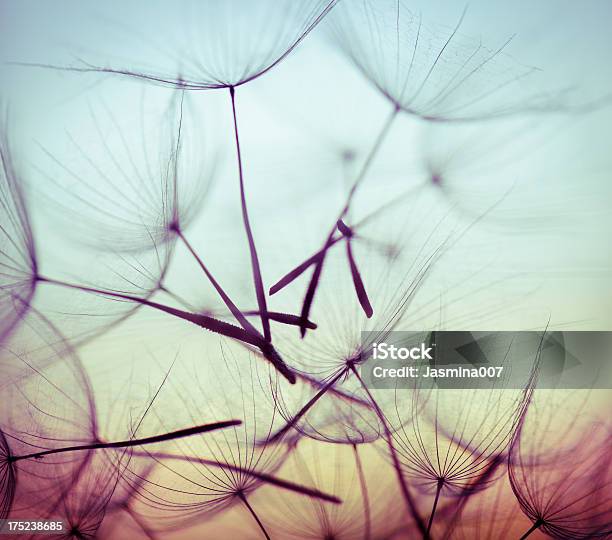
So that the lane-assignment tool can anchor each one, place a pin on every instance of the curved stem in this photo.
(370, 157)
(435, 505)
(305, 265)
(290, 424)
(301, 268)
(466, 496)
(173, 435)
(367, 533)
(208, 323)
(360, 289)
(247, 471)
(203, 321)
(316, 275)
(239, 316)
(140, 522)
(414, 512)
(176, 297)
(536, 525)
(284, 318)
(338, 392)
(257, 279)
(255, 516)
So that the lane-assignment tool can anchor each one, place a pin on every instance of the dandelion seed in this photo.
(337, 468)
(132, 191)
(133, 299)
(429, 71)
(200, 477)
(21, 279)
(18, 259)
(561, 479)
(51, 406)
(451, 441)
(408, 63)
(246, 60)
(50, 441)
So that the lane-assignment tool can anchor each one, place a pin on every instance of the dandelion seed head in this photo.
(433, 72)
(18, 259)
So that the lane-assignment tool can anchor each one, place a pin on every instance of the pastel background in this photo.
(526, 205)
